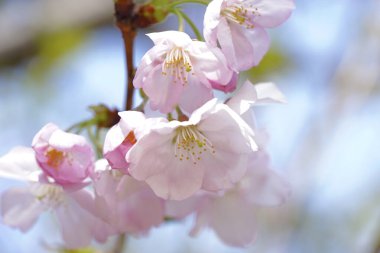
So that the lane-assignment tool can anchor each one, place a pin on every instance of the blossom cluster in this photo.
(200, 157)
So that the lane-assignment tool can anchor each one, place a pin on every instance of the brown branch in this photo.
(129, 35)
(124, 13)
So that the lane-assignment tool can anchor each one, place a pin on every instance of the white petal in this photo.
(170, 38)
(269, 93)
(20, 163)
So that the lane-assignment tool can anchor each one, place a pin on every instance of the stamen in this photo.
(55, 158)
(47, 193)
(130, 138)
(190, 144)
(178, 64)
(240, 14)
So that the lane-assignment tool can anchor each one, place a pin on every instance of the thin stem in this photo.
(95, 142)
(120, 244)
(80, 125)
(192, 25)
(129, 35)
(176, 3)
(180, 19)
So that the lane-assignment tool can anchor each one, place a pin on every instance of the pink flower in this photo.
(128, 205)
(232, 213)
(21, 207)
(67, 158)
(121, 137)
(238, 26)
(209, 151)
(180, 71)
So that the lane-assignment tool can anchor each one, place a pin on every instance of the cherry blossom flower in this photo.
(122, 136)
(238, 27)
(209, 151)
(232, 213)
(21, 207)
(178, 70)
(67, 158)
(128, 205)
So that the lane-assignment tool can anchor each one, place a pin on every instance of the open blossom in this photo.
(67, 158)
(238, 27)
(180, 71)
(21, 207)
(128, 205)
(232, 213)
(209, 151)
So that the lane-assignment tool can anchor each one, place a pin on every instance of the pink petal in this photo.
(235, 46)
(20, 208)
(232, 219)
(114, 150)
(229, 87)
(181, 209)
(153, 160)
(142, 209)
(129, 205)
(155, 56)
(272, 12)
(210, 63)
(211, 21)
(69, 217)
(227, 129)
(232, 140)
(194, 95)
(162, 91)
(255, 94)
(43, 135)
(121, 137)
(266, 188)
(260, 42)
(99, 229)
(223, 170)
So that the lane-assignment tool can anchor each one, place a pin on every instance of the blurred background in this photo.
(59, 57)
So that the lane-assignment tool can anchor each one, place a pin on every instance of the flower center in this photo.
(55, 158)
(240, 14)
(177, 63)
(48, 193)
(130, 138)
(190, 144)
